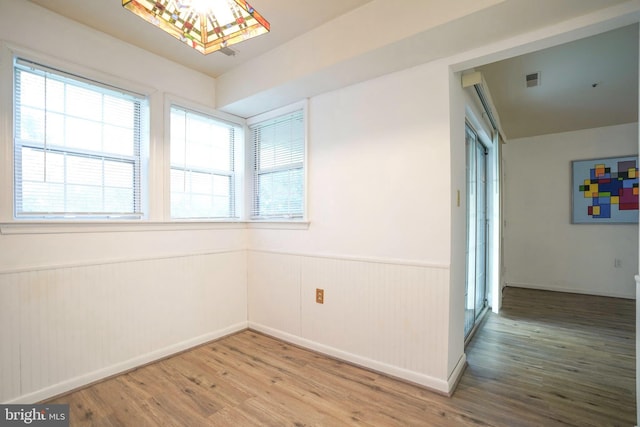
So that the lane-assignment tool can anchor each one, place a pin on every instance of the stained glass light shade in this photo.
(205, 25)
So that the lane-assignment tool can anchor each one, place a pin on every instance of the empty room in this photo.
(336, 212)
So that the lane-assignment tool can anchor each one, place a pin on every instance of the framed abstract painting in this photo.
(605, 191)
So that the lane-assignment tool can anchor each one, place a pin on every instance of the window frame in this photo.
(252, 191)
(172, 101)
(10, 60)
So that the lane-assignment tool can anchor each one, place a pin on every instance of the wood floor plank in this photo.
(549, 359)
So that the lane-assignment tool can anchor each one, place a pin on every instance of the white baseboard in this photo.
(119, 368)
(456, 375)
(435, 384)
(570, 290)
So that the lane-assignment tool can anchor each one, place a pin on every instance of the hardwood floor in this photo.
(548, 359)
(554, 359)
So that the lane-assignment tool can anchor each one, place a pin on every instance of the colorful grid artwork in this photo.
(605, 190)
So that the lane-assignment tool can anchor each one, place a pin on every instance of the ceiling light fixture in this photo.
(205, 25)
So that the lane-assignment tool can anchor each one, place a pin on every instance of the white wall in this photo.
(81, 302)
(542, 248)
(378, 171)
(379, 237)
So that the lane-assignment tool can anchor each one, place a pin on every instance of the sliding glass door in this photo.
(476, 286)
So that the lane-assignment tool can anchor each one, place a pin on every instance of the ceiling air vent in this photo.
(533, 79)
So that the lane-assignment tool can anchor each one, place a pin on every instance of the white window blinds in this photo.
(77, 146)
(202, 166)
(278, 175)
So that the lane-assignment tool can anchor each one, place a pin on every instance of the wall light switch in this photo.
(320, 296)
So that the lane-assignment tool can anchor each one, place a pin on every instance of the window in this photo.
(278, 167)
(202, 166)
(77, 146)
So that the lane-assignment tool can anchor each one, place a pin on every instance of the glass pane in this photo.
(119, 112)
(178, 180)
(279, 166)
(281, 193)
(221, 185)
(179, 205)
(32, 165)
(55, 167)
(209, 145)
(199, 154)
(199, 149)
(201, 206)
(42, 197)
(118, 174)
(84, 199)
(118, 140)
(76, 164)
(84, 170)
(201, 183)
(32, 90)
(221, 141)
(481, 229)
(83, 134)
(178, 132)
(267, 154)
(470, 288)
(221, 207)
(55, 129)
(31, 124)
(83, 103)
(118, 200)
(55, 96)
(476, 290)
(200, 146)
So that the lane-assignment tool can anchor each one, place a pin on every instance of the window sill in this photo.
(62, 227)
(279, 225)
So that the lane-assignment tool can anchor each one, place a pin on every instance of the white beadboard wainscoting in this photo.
(67, 326)
(386, 315)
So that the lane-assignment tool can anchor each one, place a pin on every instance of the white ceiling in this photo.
(288, 18)
(566, 99)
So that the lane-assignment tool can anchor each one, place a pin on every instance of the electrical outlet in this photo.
(617, 263)
(320, 296)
